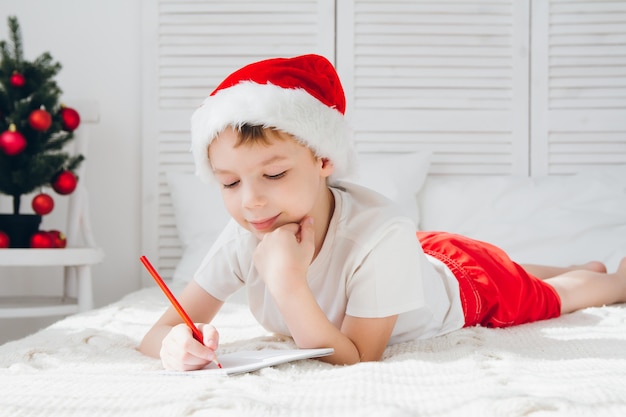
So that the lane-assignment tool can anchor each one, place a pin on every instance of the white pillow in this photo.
(200, 214)
(557, 220)
(397, 177)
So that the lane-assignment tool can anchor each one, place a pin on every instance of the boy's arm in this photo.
(201, 308)
(359, 340)
(282, 259)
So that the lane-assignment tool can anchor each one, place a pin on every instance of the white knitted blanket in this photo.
(87, 365)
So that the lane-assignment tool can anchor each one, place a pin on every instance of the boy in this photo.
(329, 263)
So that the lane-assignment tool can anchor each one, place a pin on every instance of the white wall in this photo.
(98, 44)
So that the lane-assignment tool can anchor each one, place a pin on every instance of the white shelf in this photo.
(78, 259)
(12, 307)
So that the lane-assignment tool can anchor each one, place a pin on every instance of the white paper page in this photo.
(252, 360)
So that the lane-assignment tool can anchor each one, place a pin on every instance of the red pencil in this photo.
(183, 314)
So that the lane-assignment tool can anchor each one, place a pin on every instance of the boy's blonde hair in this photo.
(248, 134)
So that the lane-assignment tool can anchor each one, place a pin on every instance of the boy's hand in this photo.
(181, 352)
(283, 256)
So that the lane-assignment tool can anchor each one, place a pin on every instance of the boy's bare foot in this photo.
(596, 266)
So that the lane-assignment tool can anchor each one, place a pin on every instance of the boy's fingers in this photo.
(291, 227)
(210, 336)
(191, 346)
(199, 350)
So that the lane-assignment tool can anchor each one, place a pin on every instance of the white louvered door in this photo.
(498, 87)
(578, 88)
(190, 47)
(450, 77)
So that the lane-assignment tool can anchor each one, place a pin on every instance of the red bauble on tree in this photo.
(59, 238)
(40, 120)
(64, 182)
(42, 204)
(12, 142)
(4, 240)
(69, 118)
(17, 80)
(42, 240)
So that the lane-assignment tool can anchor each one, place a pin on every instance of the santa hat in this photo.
(301, 96)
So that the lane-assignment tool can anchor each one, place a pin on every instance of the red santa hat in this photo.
(301, 96)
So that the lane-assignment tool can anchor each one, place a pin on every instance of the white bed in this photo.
(87, 364)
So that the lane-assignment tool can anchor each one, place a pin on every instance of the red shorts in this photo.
(495, 291)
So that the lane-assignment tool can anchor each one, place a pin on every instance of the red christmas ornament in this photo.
(41, 240)
(60, 241)
(17, 80)
(4, 240)
(69, 118)
(64, 182)
(12, 142)
(42, 204)
(40, 120)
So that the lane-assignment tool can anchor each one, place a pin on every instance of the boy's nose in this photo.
(252, 197)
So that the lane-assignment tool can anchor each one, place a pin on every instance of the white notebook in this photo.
(252, 360)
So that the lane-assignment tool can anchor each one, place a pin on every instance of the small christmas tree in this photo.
(34, 127)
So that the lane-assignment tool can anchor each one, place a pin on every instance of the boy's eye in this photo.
(231, 185)
(277, 176)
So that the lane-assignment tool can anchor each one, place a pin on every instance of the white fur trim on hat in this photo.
(323, 129)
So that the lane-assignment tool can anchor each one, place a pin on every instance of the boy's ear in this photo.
(327, 167)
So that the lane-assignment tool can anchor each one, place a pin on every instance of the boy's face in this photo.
(265, 186)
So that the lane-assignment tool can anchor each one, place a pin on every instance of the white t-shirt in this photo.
(370, 265)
